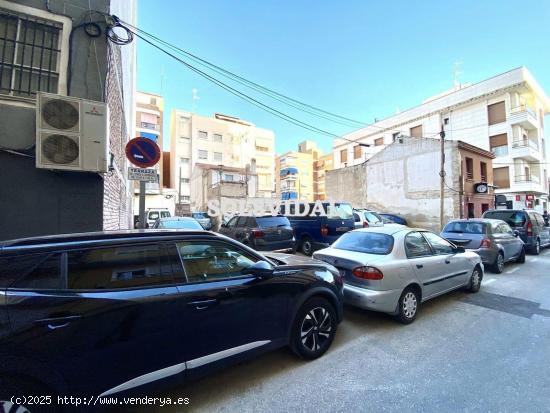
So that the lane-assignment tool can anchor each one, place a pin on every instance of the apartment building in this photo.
(37, 39)
(218, 140)
(503, 115)
(320, 168)
(294, 172)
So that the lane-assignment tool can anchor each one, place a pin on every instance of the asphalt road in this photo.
(485, 352)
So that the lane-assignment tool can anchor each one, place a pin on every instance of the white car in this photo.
(365, 218)
(393, 269)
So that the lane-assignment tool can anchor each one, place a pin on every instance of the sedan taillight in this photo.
(368, 273)
(529, 229)
(257, 233)
(365, 224)
(485, 243)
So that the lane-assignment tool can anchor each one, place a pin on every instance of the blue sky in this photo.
(361, 59)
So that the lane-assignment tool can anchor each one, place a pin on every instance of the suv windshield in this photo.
(269, 222)
(512, 218)
(339, 211)
(367, 242)
(465, 227)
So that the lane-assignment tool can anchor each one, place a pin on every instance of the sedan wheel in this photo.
(498, 266)
(475, 280)
(536, 250)
(408, 306)
(307, 246)
(313, 328)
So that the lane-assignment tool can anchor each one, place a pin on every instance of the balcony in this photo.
(500, 150)
(524, 116)
(531, 183)
(150, 126)
(527, 149)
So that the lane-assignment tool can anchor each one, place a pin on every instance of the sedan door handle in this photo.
(58, 322)
(201, 305)
(419, 266)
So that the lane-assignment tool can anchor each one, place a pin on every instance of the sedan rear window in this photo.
(269, 222)
(372, 217)
(367, 242)
(512, 218)
(461, 227)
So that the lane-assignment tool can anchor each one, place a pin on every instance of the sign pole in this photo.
(142, 204)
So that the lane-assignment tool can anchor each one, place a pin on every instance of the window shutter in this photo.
(496, 113)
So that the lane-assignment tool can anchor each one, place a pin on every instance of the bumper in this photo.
(281, 246)
(384, 301)
(488, 256)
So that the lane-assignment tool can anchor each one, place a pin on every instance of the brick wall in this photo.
(117, 196)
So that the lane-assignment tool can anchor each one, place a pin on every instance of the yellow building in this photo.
(294, 172)
(320, 167)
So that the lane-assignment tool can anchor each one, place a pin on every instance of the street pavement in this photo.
(485, 352)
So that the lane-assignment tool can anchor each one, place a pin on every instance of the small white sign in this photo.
(142, 174)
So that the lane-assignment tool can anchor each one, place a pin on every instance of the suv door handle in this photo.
(202, 305)
(419, 266)
(58, 322)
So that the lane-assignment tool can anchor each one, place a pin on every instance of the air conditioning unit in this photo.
(71, 134)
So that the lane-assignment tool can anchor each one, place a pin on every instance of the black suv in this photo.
(106, 313)
(262, 233)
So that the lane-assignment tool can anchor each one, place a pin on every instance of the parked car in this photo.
(530, 225)
(101, 314)
(315, 231)
(492, 239)
(152, 214)
(365, 218)
(394, 269)
(266, 233)
(177, 223)
(203, 218)
(393, 219)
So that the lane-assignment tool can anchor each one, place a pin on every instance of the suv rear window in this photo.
(269, 222)
(512, 218)
(367, 242)
(462, 227)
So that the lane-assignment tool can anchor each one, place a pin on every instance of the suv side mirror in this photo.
(516, 233)
(259, 269)
(459, 250)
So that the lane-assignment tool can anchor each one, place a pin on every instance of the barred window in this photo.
(29, 55)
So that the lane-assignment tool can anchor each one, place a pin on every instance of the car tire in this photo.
(521, 257)
(498, 265)
(408, 306)
(313, 329)
(536, 248)
(307, 246)
(10, 387)
(475, 280)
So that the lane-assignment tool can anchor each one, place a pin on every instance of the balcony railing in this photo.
(500, 150)
(524, 143)
(523, 108)
(527, 179)
(147, 125)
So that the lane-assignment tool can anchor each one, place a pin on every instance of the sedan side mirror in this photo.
(516, 233)
(259, 269)
(459, 250)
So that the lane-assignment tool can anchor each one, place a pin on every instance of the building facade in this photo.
(404, 178)
(38, 39)
(219, 140)
(320, 168)
(503, 114)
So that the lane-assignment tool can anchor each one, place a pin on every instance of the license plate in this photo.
(342, 229)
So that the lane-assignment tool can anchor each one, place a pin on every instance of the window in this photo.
(184, 161)
(142, 265)
(203, 135)
(439, 245)
(471, 210)
(343, 155)
(366, 242)
(232, 222)
(241, 222)
(356, 217)
(394, 136)
(483, 169)
(501, 177)
(203, 154)
(379, 142)
(217, 138)
(212, 261)
(30, 56)
(512, 218)
(262, 148)
(356, 152)
(469, 168)
(416, 245)
(484, 207)
(496, 113)
(228, 177)
(36, 271)
(465, 227)
(184, 138)
(218, 156)
(504, 229)
(446, 121)
(185, 198)
(184, 180)
(499, 144)
(416, 132)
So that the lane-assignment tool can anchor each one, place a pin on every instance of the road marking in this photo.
(512, 270)
(489, 281)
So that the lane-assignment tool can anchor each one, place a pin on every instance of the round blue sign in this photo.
(142, 152)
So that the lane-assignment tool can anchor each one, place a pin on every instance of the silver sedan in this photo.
(393, 269)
